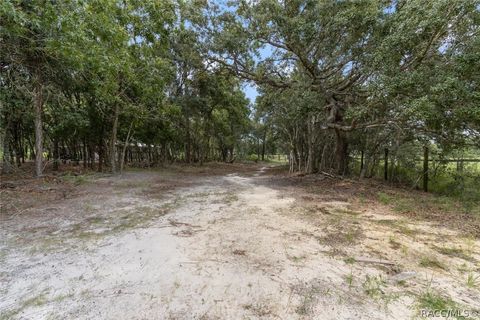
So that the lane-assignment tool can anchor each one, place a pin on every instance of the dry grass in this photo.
(347, 219)
(372, 194)
(454, 252)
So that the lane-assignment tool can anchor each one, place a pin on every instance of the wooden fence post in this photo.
(425, 169)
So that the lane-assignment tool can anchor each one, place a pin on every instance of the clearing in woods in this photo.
(225, 242)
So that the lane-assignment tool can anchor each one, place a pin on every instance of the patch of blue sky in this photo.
(250, 88)
(391, 8)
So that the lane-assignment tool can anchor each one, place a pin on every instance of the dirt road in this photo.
(153, 245)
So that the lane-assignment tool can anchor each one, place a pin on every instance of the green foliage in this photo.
(109, 70)
(336, 80)
(383, 73)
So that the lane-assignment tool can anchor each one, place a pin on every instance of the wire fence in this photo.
(452, 176)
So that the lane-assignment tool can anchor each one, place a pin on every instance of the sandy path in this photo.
(225, 248)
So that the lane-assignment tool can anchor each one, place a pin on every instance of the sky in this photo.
(251, 92)
(250, 88)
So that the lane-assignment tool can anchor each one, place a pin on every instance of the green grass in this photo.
(349, 260)
(95, 220)
(433, 301)
(348, 236)
(411, 203)
(373, 286)
(454, 252)
(349, 279)
(297, 259)
(451, 183)
(230, 197)
(420, 204)
(274, 159)
(470, 245)
(35, 301)
(394, 243)
(62, 297)
(384, 198)
(77, 179)
(401, 226)
(431, 262)
(473, 280)
(3, 255)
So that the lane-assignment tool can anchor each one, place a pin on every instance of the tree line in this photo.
(346, 79)
(161, 80)
(105, 81)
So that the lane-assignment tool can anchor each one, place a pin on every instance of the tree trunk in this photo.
(425, 169)
(365, 164)
(385, 167)
(38, 104)
(100, 157)
(7, 166)
(323, 160)
(224, 154)
(113, 139)
(341, 147)
(361, 161)
(55, 154)
(188, 144)
(17, 144)
(21, 148)
(264, 142)
(310, 168)
(91, 155)
(292, 161)
(85, 156)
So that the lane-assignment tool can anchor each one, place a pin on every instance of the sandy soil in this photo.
(238, 245)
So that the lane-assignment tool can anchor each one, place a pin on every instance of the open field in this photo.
(238, 241)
